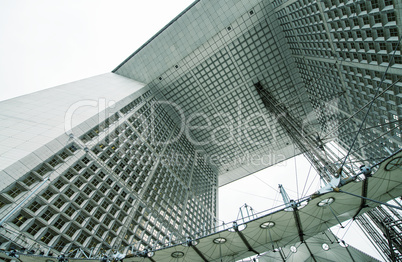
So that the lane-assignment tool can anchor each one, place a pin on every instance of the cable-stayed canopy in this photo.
(296, 224)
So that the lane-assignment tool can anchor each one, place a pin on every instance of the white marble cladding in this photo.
(35, 126)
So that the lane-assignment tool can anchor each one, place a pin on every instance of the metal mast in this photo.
(310, 146)
(382, 225)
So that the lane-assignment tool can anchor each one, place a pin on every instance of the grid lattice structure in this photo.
(213, 86)
(120, 185)
(342, 49)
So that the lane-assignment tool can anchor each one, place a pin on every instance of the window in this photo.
(34, 206)
(101, 231)
(47, 237)
(96, 197)
(43, 170)
(391, 17)
(105, 204)
(126, 208)
(91, 225)
(69, 175)
(107, 220)
(78, 167)
(79, 200)
(47, 214)
(70, 211)
(34, 228)
(96, 151)
(89, 208)
(130, 200)
(95, 182)
(87, 175)
(393, 31)
(116, 227)
(377, 18)
(388, 2)
(71, 230)
(94, 168)
(366, 20)
(113, 211)
(19, 220)
(73, 148)
(88, 191)
(363, 7)
(29, 180)
(101, 174)
(103, 189)
(63, 155)
(109, 239)
(103, 158)
(54, 162)
(98, 214)
(59, 202)
(14, 192)
(374, 4)
(59, 223)
(48, 194)
(111, 195)
(78, 183)
(59, 184)
(80, 219)
(69, 192)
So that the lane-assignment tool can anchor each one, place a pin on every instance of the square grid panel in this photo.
(217, 93)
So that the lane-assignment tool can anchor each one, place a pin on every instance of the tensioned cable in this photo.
(276, 190)
(367, 128)
(276, 199)
(297, 180)
(252, 194)
(360, 109)
(350, 225)
(386, 179)
(361, 160)
(378, 137)
(339, 228)
(305, 183)
(312, 182)
(371, 104)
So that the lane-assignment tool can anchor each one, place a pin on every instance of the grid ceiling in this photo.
(214, 86)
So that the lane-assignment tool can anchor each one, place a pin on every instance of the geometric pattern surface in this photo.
(292, 229)
(323, 59)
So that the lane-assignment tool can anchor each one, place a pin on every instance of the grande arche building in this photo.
(134, 157)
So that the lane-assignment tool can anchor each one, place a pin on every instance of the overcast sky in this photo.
(45, 43)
